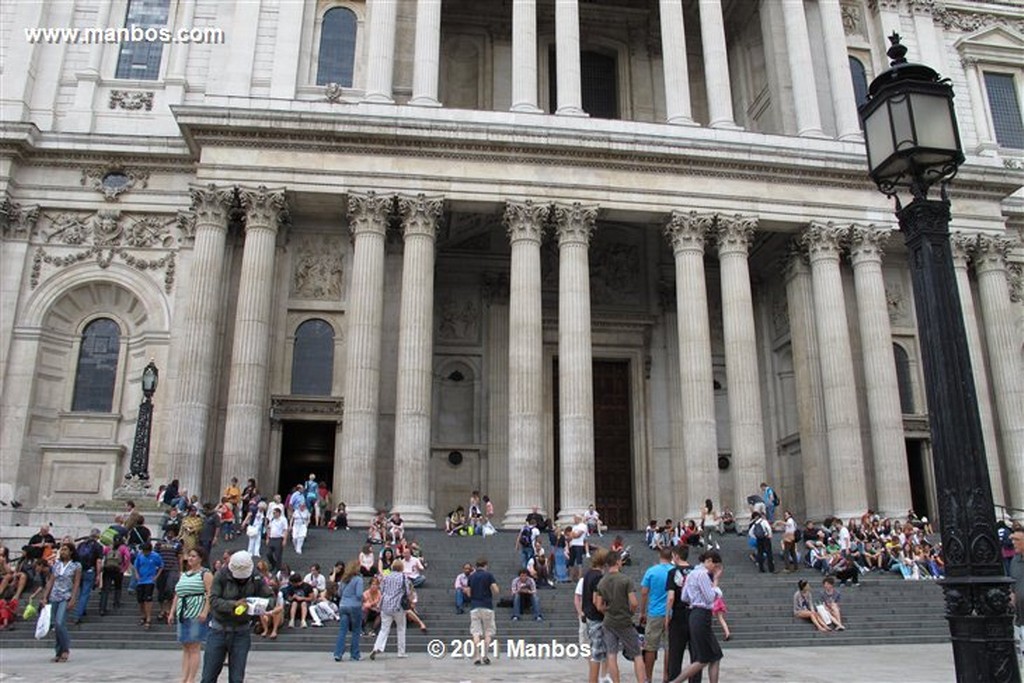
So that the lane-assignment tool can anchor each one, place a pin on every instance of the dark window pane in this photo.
(1005, 107)
(97, 367)
(313, 359)
(337, 48)
(141, 60)
(599, 89)
(903, 379)
(860, 81)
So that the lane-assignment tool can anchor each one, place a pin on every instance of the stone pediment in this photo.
(995, 44)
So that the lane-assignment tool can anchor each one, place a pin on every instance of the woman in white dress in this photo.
(255, 527)
(300, 525)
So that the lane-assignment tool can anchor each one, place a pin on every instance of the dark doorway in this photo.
(599, 90)
(613, 444)
(306, 448)
(918, 478)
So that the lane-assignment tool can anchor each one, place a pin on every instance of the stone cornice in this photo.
(969, 17)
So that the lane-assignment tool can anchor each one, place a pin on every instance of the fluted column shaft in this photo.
(892, 475)
(1003, 353)
(415, 361)
(380, 60)
(746, 426)
(567, 57)
(525, 221)
(962, 245)
(687, 233)
(844, 103)
(250, 354)
(524, 56)
(810, 397)
(428, 53)
(355, 470)
(801, 67)
(575, 224)
(678, 108)
(846, 454)
(196, 367)
(716, 65)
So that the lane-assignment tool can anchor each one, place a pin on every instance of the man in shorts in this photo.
(481, 591)
(577, 547)
(592, 618)
(147, 566)
(652, 608)
(616, 598)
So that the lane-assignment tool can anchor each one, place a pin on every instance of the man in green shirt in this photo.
(616, 599)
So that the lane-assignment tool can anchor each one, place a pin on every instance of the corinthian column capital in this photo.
(574, 222)
(525, 220)
(990, 253)
(867, 243)
(211, 204)
(689, 231)
(794, 262)
(368, 212)
(961, 245)
(420, 214)
(824, 241)
(264, 209)
(733, 234)
(17, 222)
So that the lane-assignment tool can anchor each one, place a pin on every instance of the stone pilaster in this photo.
(744, 392)
(16, 226)
(810, 396)
(524, 57)
(355, 470)
(250, 354)
(426, 66)
(687, 233)
(574, 224)
(1004, 357)
(197, 370)
(525, 222)
(962, 245)
(892, 477)
(415, 360)
(380, 58)
(846, 454)
(678, 108)
(567, 58)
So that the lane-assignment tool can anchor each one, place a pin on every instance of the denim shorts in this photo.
(192, 631)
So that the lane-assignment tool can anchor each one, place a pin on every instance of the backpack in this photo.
(525, 537)
(112, 560)
(775, 498)
(88, 552)
(759, 531)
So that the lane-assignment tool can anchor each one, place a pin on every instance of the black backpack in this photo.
(775, 498)
(526, 537)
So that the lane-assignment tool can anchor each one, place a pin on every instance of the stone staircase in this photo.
(883, 610)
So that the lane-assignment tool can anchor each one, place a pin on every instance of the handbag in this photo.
(405, 603)
(826, 618)
(251, 531)
(43, 622)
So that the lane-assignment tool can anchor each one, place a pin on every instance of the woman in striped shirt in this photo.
(393, 588)
(191, 608)
(700, 592)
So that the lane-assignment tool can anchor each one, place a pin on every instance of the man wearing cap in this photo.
(230, 617)
(90, 555)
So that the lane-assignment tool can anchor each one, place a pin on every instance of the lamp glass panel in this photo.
(879, 136)
(933, 119)
(902, 122)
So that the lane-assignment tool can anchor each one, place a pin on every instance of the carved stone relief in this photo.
(615, 273)
(853, 20)
(458, 320)
(962, 19)
(896, 300)
(780, 313)
(131, 100)
(317, 269)
(16, 221)
(112, 180)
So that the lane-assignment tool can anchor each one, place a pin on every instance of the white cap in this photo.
(241, 565)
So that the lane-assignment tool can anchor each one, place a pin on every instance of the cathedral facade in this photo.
(561, 252)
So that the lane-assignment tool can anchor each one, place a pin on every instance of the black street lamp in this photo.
(912, 143)
(139, 471)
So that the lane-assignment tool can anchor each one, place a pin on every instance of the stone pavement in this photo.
(865, 664)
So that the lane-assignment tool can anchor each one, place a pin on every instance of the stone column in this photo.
(197, 370)
(962, 245)
(380, 58)
(16, 226)
(250, 354)
(428, 54)
(676, 71)
(801, 68)
(716, 66)
(844, 103)
(1004, 357)
(575, 224)
(888, 446)
(888, 20)
(986, 142)
(686, 233)
(810, 396)
(495, 289)
(524, 57)
(415, 361)
(355, 470)
(746, 427)
(846, 455)
(567, 58)
(525, 221)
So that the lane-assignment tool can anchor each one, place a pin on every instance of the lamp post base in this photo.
(134, 486)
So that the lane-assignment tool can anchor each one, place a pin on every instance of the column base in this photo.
(423, 102)
(812, 133)
(571, 111)
(416, 516)
(377, 98)
(852, 137)
(725, 124)
(682, 121)
(360, 515)
(526, 108)
(515, 517)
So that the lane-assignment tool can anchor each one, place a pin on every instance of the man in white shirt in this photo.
(413, 569)
(317, 580)
(277, 530)
(577, 545)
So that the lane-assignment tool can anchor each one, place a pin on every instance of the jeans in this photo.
(351, 621)
(525, 555)
(112, 580)
(561, 571)
(764, 552)
(460, 601)
(58, 615)
(275, 551)
(84, 591)
(221, 643)
(517, 604)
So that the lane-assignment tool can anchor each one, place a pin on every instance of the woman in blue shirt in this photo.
(350, 604)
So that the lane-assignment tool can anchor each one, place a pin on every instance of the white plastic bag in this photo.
(489, 529)
(43, 622)
(826, 616)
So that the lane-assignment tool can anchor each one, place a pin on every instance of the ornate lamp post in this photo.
(913, 143)
(143, 427)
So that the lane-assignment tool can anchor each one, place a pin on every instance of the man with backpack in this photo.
(761, 531)
(90, 556)
(771, 501)
(524, 543)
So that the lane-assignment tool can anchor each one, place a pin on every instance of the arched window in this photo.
(860, 81)
(337, 47)
(140, 60)
(313, 359)
(903, 379)
(96, 373)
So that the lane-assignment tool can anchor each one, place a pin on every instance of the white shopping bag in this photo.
(43, 622)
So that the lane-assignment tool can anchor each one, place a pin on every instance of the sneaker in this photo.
(515, 618)
(402, 656)
(337, 659)
(487, 660)
(539, 618)
(373, 655)
(305, 625)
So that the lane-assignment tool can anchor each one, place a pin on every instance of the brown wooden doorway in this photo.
(307, 447)
(613, 444)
